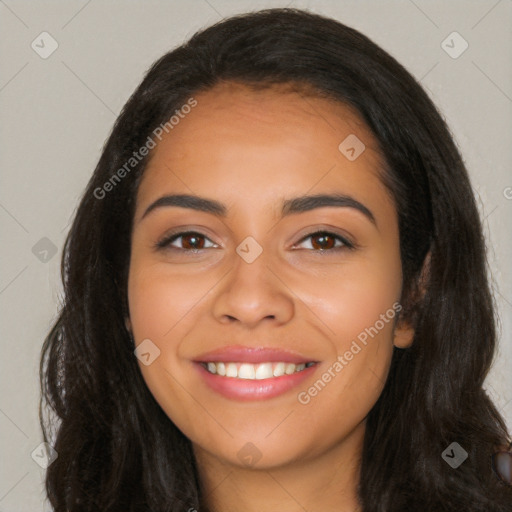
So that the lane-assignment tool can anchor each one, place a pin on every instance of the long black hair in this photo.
(117, 449)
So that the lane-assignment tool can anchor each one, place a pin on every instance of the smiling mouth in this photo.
(260, 371)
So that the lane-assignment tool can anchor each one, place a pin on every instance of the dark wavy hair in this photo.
(117, 449)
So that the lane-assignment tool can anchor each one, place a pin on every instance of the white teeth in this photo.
(264, 371)
(255, 371)
(290, 368)
(221, 368)
(279, 369)
(246, 371)
(231, 370)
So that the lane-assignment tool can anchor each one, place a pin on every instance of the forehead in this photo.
(262, 142)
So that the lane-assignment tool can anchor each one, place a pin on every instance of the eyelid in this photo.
(346, 237)
(167, 239)
(345, 240)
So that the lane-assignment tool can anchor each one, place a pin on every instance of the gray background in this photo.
(57, 112)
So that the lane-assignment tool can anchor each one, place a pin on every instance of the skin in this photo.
(251, 150)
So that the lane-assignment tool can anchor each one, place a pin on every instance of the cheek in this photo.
(152, 306)
(159, 299)
(159, 304)
(358, 297)
(352, 378)
(359, 303)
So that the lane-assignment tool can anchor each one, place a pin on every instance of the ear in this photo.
(404, 330)
(403, 335)
(128, 324)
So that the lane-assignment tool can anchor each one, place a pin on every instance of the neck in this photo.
(326, 482)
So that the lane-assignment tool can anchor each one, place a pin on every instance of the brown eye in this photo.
(190, 241)
(326, 241)
(323, 241)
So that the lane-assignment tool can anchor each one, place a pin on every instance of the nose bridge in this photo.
(252, 291)
(251, 266)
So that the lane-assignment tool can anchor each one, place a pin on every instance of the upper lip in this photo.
(241, 354)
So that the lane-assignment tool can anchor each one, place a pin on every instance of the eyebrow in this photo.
(289, 206)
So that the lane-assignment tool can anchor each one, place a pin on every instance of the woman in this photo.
(275, 291)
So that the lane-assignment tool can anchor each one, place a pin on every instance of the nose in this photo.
(253, 293)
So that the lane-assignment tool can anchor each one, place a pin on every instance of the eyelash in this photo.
(165, 242)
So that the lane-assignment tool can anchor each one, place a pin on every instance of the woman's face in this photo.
(253, 290)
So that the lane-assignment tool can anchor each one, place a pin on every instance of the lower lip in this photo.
(248, 390)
